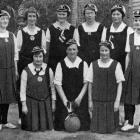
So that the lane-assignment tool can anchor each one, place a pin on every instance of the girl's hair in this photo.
(90, 6)
(108, 44)
(71, 42)
(119, 8)
(4, 12)
(64, 8)
(37, 50)
(31, 10)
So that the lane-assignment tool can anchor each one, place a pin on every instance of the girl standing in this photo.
(8, 69)
(27, 38)
(118, 33)
(105, 78)
(35, 95)
(58, 34)
(71, 87)
(132, 84)
(89, 35)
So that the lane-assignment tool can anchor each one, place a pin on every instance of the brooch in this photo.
(39, 79)
(111, 37)
(138, 47)
(32, 38)
(89, 33)
(6, 39)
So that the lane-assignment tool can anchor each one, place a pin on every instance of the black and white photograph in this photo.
(69, 69)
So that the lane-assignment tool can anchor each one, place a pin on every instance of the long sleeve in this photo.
(58, 75)
(16, 49)
(103, 37)
(19, 40)
(119, 73)
(23, 86)
(53, 92)
(89, 76)
(76, 37)
(127, 47)
(48, 35)
(43, 42)
(85, 72)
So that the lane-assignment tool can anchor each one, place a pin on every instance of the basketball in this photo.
(72, 123)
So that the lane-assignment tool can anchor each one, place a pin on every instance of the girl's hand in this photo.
(78, 101)
(116, 106)
(90, 106)
(65, 102)
(24, 109)
(17, 75)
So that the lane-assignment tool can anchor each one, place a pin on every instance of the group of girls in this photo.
(85, 67)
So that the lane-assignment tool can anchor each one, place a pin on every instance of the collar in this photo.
(4, 35)
(120, 28)
(104, 65)
(91, 28)
(66, 25)
(33, 32)
(73, 64)
(136, 34)
(32, 68)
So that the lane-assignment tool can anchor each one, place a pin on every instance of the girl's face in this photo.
(90, 15)
(136, 23)
(31, 18)
(38, 59)
(62, 16)
(72, 51)
(104, 53)
(116, 17)
(4, 21)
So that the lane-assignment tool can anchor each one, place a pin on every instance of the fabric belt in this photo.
(35, 98)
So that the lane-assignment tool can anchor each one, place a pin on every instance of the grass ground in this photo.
(18, 134)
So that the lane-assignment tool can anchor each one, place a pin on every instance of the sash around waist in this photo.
(35, 98)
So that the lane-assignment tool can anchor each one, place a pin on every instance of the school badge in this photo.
(39, 79)
(138, 47)
(6, 39)
(32, 38)
(89, 33)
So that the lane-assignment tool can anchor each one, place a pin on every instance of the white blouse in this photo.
(89, 28)
(69, 64)
(120, 29)
(118, 72)
(6, 35)
(33, 32)
(42, 72)
(136, 39)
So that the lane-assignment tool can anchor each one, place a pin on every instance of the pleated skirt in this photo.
(104, 119)
(39, 116)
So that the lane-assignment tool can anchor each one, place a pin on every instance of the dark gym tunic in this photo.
(89, 43)
(72, 83)
(57, 50)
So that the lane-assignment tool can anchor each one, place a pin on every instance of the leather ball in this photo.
(72, 123)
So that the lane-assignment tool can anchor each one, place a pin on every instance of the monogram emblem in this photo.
(32, 38)
(6, 39)
(39, 79)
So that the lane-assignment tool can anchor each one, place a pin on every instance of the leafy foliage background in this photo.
(47, 10)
